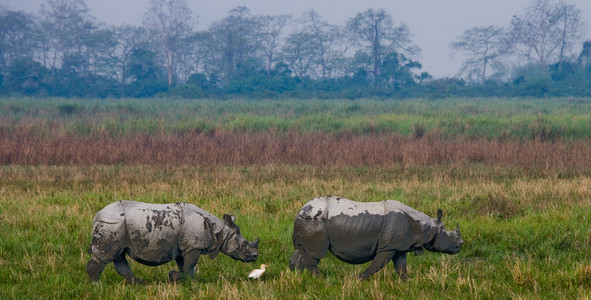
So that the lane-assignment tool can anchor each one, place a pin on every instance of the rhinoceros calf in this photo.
(358, 232)
(154, 234)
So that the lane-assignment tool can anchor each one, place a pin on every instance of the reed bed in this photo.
(293, 148)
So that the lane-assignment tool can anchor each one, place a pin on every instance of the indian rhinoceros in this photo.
(358, 232)
(154, 234)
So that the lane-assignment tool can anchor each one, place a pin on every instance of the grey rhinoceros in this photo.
(358, 232)
(154, 234)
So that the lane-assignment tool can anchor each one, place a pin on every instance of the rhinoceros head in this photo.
(445, 241)
(235, 245)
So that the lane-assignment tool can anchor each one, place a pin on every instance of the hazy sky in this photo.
(433, 23)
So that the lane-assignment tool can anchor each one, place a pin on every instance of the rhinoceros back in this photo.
(422, 219)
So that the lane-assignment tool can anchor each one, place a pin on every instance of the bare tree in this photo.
(317, 49)
(299, 53)
(188, 60)
(129, 39)
(482, 46)
(270, 38)
(66, 26)
(171, 23)
(378, 36)
(329, 42)
(17, 37)
(570, 31)
(234, 37)
(205, 55)
(546, 32)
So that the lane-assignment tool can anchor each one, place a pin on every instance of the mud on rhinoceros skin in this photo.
(154, 234)
(358, 232)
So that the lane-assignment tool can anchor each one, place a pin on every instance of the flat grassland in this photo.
(514, 173)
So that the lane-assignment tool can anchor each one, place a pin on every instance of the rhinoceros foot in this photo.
(174, 276)
(134, 280)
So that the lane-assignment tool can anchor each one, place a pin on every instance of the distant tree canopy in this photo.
(64, 51)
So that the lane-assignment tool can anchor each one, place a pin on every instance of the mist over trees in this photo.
(64, 51)
(536, 50)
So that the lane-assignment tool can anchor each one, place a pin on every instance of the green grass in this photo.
(524, 236)
(554, 118)
(527, 229)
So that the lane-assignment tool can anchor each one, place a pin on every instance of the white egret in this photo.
(256, 273)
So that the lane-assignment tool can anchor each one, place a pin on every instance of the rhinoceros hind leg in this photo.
(311, 242)
(399, 261)
(180, 262)
(310, 263)
(377, 263)
(122, 267)
(94, 268)
(300, 259)
(295, 262)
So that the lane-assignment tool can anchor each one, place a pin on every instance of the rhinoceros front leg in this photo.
(377, 263)
(122, 267)
(186, 265)
(302, 259)
(399, 261)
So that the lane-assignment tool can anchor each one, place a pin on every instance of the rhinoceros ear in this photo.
(230, 220)
(439, 215)
(458, 227)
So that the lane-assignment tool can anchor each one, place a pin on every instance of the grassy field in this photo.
(547, 119)
(517, 178)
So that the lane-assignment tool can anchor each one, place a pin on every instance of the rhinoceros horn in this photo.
(458, 227)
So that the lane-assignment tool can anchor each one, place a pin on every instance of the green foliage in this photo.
(249, 123)
(27, 77)
(251, 79)
(190, 91)
(148, 76)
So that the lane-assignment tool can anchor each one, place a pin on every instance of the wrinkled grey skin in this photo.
(154, 234)
(358, 232)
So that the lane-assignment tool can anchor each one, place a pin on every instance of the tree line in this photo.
(64, 51)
